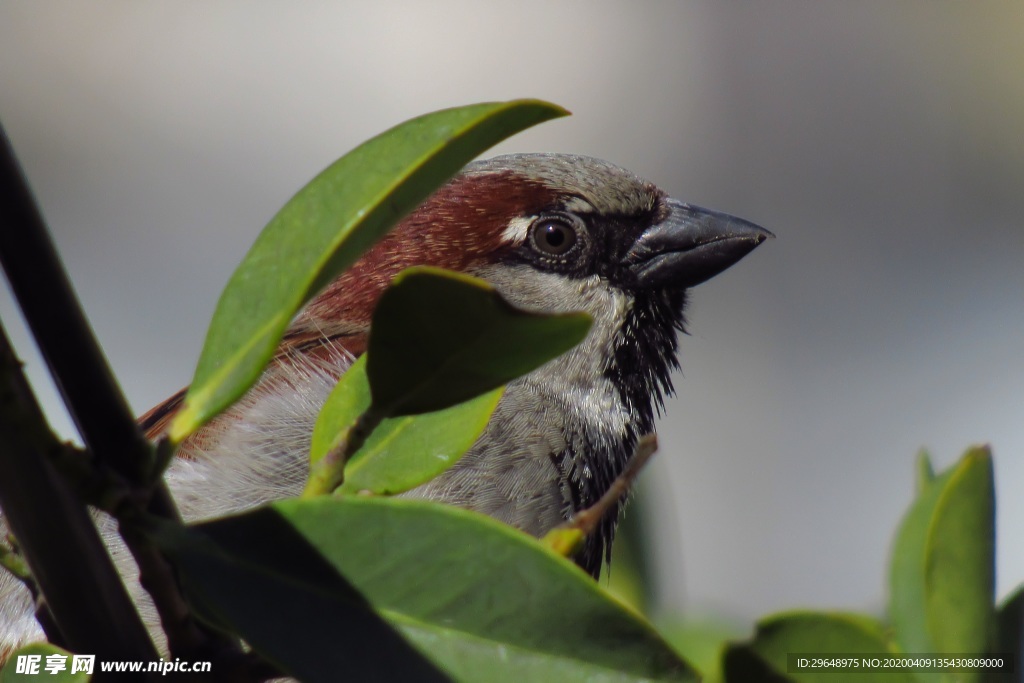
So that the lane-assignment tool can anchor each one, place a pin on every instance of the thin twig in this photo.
(588, 519)
(569, 538)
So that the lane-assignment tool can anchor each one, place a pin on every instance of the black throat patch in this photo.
(645, 357)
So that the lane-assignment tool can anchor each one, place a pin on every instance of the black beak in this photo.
(690, 246)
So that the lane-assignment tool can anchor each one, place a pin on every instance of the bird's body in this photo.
(552, 233)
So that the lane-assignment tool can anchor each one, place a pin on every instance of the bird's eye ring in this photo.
(553, 236)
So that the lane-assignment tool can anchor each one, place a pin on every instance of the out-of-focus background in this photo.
(883, 143)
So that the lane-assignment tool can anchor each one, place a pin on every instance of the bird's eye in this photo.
(553, 237)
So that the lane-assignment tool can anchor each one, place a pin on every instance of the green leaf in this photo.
(46, 653)
(254, 575)
(960, 579)
(778, 638)
(925, 471)
(943, 568)
(324, 228)
(402, 452)
(908, 569)
(439, 338)
(484, 600)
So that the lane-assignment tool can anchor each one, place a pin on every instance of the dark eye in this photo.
(553, 237)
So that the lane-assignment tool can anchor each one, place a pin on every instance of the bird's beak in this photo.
(690, 246)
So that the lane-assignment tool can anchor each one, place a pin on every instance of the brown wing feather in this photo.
(437, 233)
(156, 420)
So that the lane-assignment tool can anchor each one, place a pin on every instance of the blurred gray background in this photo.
(883, 142)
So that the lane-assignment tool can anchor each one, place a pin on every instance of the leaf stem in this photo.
(328, 473)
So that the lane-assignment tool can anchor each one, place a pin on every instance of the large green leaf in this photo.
(255, 576)
(484, 601)
(831, 636)
(960, 579)
(439, 338)
(324, 228)
(41, 655)
(402, 452)
(908, 567)
(942, 576)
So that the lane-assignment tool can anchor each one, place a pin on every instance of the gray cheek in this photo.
(577, 380)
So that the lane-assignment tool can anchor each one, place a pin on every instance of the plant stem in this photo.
(55, 533)
(94, 401)
(48, 303)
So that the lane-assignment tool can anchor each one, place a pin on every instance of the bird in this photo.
(551, 233)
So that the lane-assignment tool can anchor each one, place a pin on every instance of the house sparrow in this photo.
(552, 233)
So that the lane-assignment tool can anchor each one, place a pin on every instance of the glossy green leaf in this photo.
(925, 471)
(254, 575)
(960, 579)
(402, 452)
(439, 338)
(766, 656)
(46, 654)
(324, 228)
(484, 601)
(908, 568)
(942, 577)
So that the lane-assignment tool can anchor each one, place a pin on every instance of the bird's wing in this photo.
(156, 420)
(297, 341)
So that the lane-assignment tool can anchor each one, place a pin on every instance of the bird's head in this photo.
(555, 233)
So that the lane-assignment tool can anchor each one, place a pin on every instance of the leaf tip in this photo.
(550, 109)
(925, 470)
(183, 424)
(582, 322)
(199, 406)
(979, 452)
(564, 541)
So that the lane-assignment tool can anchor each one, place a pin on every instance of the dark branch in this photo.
(56, 535)
(101, 414)
(47, 300)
